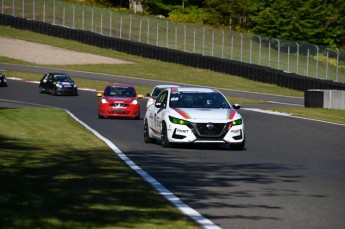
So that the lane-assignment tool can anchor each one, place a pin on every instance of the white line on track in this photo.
(291, 104)
(181, 206)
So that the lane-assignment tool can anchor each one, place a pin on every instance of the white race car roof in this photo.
(165, 86)
(194, 89)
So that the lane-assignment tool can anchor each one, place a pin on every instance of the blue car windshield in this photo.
(120, 91)
(156, 91)
(198, 100)
(62, 78)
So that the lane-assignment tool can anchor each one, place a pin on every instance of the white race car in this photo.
(155, 92)
(194, 115)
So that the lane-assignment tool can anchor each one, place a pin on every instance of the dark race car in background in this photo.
(57, 84)
(3, 81)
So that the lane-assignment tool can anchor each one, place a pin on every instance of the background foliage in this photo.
(314, 21)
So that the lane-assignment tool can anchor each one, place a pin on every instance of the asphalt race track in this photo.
(291, 175)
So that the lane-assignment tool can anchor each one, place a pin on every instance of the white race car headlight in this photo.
(134, 102)
(58, 85)
(178, 121)
(104, 101)
(235, 123)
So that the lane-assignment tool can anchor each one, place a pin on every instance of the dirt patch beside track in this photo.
(44, 54)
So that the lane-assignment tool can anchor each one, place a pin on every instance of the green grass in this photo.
(328, 115)
(51, 178)
(147, 68)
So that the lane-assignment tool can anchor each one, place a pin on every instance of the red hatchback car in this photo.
(119, 100)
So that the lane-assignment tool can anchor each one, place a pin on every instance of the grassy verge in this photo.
(51, 178)
(146, 68)
(328, 115)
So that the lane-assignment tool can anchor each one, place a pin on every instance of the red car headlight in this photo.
(104, 101)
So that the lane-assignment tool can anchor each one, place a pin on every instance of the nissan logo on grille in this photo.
(209, 125)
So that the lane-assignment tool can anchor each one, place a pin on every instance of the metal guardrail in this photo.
(309, 60)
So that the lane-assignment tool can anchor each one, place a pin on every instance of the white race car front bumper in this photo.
(205, 133)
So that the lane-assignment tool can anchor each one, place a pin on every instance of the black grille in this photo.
(210, 129)
(119, 104)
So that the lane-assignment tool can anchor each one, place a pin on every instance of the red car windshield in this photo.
(120, 91)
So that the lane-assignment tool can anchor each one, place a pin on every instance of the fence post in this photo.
(130, 27)
(140, 28)
(13, 8)
(73, 20)
(259, 50)
(317, 61)
(167, 34)
(250, 50)
(297, 57)
(120, 27)
(175, 37)
(184, 37)
(22, 7)
(63, 16)
(241, 52)
(307, 73)
(92, 20)
(54, 8)
(278, 53)
(101, 31)
(223, 43)
(337, 68)
(44, 11)
(82, 19)
(288, 70)
(148, 31)
(327, 65)
(232, 47)
(33, 10)
(157, 32)
(110, 22)
(203, 41)
(269, 54)
(212, 50)
(194, 41)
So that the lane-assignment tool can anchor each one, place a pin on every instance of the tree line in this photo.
(314, 21)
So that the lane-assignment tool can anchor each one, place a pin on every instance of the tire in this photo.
(164, 137)
(40, 90)
(238, 146)
(138, 116)
(100, 116)
(147, 138)
(53, 92)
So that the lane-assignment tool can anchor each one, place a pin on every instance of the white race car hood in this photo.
(200, 114)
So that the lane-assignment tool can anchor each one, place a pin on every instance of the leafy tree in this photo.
(188, 15)
(314, 21)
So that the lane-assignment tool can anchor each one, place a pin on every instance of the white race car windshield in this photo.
(198, 100)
